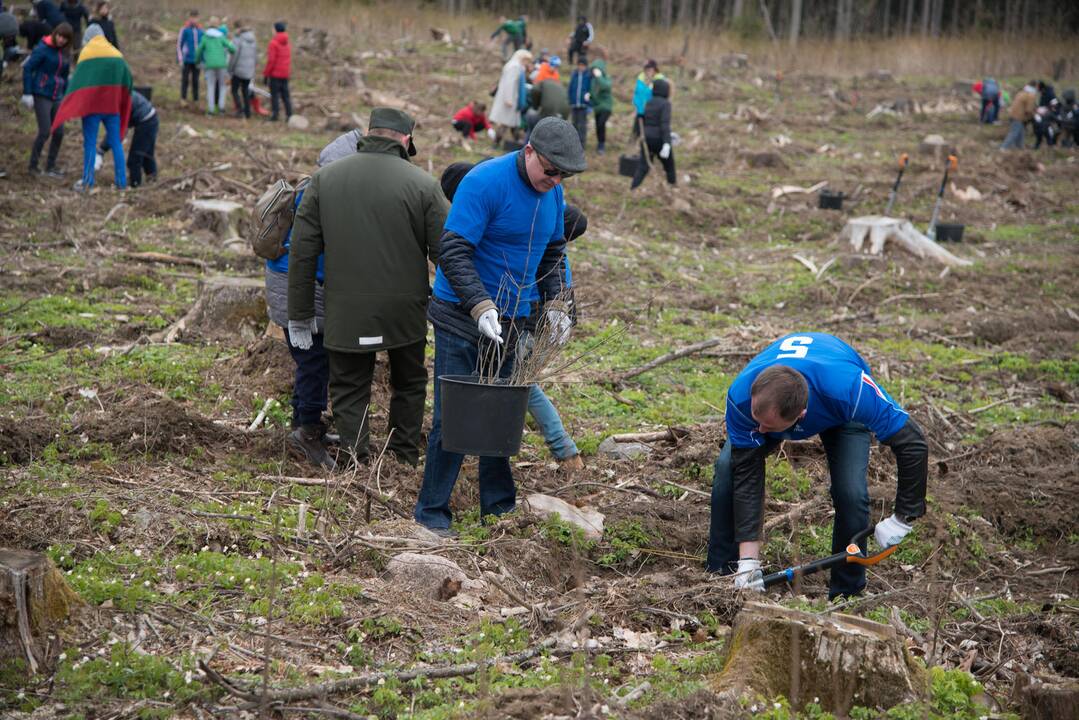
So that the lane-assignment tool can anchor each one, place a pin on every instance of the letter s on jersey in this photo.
(796, 346)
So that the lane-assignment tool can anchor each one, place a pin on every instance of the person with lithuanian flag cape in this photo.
(99, 93)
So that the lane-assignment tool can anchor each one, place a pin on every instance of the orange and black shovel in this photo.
(903, 160)
(852, 554)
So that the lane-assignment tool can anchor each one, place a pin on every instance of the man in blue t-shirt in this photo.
(803, 385)
(500, 252)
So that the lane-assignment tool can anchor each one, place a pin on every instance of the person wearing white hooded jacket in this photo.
(242, 66)
(510, 96)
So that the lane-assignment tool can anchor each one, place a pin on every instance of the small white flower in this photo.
(382, 681)
(138, 552)
(123, 512)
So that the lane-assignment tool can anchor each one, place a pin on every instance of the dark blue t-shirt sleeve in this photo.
(470, 211)
(875, 408)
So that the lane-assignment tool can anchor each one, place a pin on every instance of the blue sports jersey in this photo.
(510, 225)
(841, 390)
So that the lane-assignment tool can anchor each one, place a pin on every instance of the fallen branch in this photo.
(778, 520)
(261, 416)
(157, 257)
(367, 680)
(671, 434)
(669, 357)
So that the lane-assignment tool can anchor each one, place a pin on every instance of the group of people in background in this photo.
(99, 90)
(1052, 119)
(233, 62)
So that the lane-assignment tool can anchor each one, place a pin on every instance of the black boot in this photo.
(305, 443)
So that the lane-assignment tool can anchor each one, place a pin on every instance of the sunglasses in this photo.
(552, 171)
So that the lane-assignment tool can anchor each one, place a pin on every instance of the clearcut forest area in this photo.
(142, 449)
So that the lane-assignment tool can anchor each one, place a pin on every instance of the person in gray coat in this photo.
(242, 68)
(309, 390)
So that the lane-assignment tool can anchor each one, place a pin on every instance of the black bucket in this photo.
(512, 145)
(828, 200)
(949, 232)
(627, 165)
(147, 91)
(482, 418)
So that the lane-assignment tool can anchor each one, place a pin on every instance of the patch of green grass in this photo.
(557, 530)
(883, 614)
(121, 577)
(625, 540)
(54, 311)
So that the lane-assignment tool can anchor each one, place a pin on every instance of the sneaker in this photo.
(445, 533)
(305, 443)
(54, 172)
(79, 187)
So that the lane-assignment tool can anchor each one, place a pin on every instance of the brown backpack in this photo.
(272, 218)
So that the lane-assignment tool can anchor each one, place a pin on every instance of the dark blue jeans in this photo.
(455, 355)
(312, 378)
(847, 449)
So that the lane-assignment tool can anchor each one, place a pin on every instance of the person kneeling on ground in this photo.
(470, 118)
(140, 156)
(501, 247)
(376, 286)
(540, 407)
(800, 386)
(657, 135)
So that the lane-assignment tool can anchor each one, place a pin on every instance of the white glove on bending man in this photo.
(665, 151)
(749, 575)
(891, 531)
(301, 333)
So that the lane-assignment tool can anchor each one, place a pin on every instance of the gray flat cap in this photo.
(556, 140)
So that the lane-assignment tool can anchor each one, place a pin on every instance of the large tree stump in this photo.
(879, 230)
(35, 601)
(223, 218)
(841, 659)
(1046, 698)
(226, 307)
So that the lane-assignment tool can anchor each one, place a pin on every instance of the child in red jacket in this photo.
(278, 69)
(470, 118)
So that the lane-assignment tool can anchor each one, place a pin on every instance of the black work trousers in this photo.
(190, 74)
(45, 111)
(654, 146)
(351, 374)
(279, 93)
(241, 95)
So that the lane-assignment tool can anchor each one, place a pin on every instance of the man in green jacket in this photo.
(213, 54)
(547, 99)
(378, 219)
(602, 101)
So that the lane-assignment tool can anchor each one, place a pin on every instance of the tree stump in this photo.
(1046, 698)
(35, 601)
(220, 217)
(226, 307)
(880, 230)
(841, 659)
(934, 145)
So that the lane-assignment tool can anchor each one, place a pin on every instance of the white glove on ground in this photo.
(891, 532)
(488, 325)
(665, 151)
(27, 101)
(559, 325)
(749, 575)
(491, 133)
(99, 160)
(301, 332)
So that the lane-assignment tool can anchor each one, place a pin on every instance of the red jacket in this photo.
(278, 57)
(478, 121)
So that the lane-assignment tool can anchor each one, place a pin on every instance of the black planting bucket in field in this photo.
(949, 232)
(829, 200)
(627, 165)
(147, 91)
(485, 419)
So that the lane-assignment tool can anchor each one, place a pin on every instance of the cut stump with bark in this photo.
(226, 307)
(1046, 698)
(841, 659)
(879, 231)
(223, 218)
(35, 602)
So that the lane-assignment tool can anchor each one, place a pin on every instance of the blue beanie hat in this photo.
(279, 26)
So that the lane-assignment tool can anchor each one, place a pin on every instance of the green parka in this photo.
(551, 99)
(378, 219)
(602, 100)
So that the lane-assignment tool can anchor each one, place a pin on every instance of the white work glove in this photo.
(99, 160)
(559, 325)
(491, 133)
(588, 97)
(596, 72)
(27, 101)
(749, 575)
(488, 325)
(665, 151)
(301, 332)
(891, 531)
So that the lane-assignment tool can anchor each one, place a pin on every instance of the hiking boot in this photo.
(54, 172)
(305, 443)
(445, 533)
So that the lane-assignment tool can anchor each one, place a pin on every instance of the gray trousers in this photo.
(44, 111)
(1014, 138)
(579, 116)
